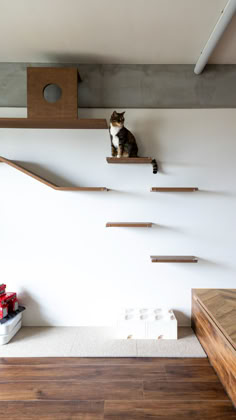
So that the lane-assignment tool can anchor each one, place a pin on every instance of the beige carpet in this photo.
(96, 342)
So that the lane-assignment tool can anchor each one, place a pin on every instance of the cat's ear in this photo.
(114, 113)
(122, 113)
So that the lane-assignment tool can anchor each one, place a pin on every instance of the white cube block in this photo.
(131, 325)
(145, 323)
(162, 324)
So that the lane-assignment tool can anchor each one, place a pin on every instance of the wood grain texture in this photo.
(122, 160)
(169, 410)
(174, 189)
(64, 108)
(173, 259)
(109, 388)
(82, 372)
(190, 374)
(52, 410)
(220, 351)
(79, 123)
(71, 390)
(128, 224)
(189, 391)
(116, 361)
(45, 181)
(82, 189)
(221, 306)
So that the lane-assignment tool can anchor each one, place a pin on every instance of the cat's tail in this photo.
(155, 166)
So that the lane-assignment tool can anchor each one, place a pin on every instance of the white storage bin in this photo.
(9, 325)
(144, 323)
(5, 338)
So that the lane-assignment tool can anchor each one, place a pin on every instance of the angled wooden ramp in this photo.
(45, 181)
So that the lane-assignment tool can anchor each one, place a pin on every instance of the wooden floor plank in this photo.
(71, 390)
(84, 372)
(191, 374)
(169, 410)
(155, 390)
(64, 361)
(52, 410)
(111, 389)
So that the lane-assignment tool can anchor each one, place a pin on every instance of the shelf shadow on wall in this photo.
(215, 193)
(167, 228)
(168, 168)
(153, 147)
(124, 193)
(47, 174)
(212, 263)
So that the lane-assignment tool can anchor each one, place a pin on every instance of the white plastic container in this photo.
(5, 338)
(145, 323)
(9, 325)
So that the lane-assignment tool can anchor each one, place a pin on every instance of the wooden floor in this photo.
(111, 389)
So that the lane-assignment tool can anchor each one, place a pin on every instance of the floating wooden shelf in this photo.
(80, 123)
(129, 160)
(173, 189)
(122, 224)
(45, 181)
(173, 259)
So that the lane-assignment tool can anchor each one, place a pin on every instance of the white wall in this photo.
(54, 248)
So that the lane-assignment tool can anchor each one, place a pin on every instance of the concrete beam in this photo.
(133, 86)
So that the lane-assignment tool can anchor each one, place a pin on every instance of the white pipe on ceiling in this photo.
(216, 34)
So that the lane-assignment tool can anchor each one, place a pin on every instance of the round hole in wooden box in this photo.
(52, 93)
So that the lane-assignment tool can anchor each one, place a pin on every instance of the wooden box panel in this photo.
(66, 107)
(220, 304)
(221, 353)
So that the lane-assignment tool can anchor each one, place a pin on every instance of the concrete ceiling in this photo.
(112, 31)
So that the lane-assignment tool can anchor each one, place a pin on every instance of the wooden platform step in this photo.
(138, 160)
(80, 123)
(173, 189)
(128, 224)
(173, 259)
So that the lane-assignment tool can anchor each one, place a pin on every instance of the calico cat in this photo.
(123, 143)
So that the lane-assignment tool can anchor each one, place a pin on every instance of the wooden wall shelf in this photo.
(173, 259)
(125, 224)
(45, 181)
(129, 160)
(80, 123)
(173, 189)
